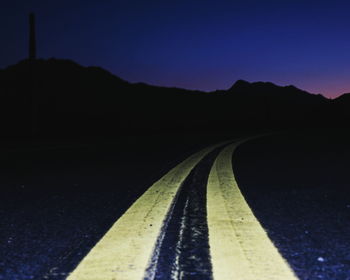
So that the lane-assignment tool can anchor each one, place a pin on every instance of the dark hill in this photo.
(340, 108)
(273, 91)
(276, 105)
(61, 98)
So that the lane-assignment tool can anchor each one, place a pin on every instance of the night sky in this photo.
(204, 45)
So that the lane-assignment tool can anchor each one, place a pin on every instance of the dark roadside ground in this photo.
(58, 199)
(298, 185)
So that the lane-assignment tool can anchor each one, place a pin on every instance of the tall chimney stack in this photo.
(32, 39)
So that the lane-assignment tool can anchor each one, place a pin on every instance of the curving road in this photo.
(238, 247)
(280, 210)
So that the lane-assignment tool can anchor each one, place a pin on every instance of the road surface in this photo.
(239, 248)
(280, 212)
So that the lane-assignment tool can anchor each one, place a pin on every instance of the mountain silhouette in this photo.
(61, 98)
(272, 105)
(340, 108)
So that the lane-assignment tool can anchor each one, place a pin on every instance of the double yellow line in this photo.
(239, 247)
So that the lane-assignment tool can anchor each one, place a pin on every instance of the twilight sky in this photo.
(195, 44)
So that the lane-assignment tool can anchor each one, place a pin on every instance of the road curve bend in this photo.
(239, 247)
(124, 251)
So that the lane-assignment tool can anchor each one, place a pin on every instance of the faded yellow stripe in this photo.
(240, 248)
(125, 250)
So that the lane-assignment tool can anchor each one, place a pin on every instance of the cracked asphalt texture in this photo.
(57, 203)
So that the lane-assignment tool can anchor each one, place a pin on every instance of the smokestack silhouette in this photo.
(32, 39)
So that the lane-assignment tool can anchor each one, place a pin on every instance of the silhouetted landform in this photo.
(59, 98)
(341, 107)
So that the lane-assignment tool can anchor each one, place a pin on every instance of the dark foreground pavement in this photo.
(298, 185)
(57, 203)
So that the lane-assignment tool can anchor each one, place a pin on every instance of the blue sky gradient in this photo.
(204, 45)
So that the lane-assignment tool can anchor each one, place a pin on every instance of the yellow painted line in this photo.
(240, 248)
(125, 251)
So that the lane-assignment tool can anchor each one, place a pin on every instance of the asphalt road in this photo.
(298, 185)
(57, 203)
